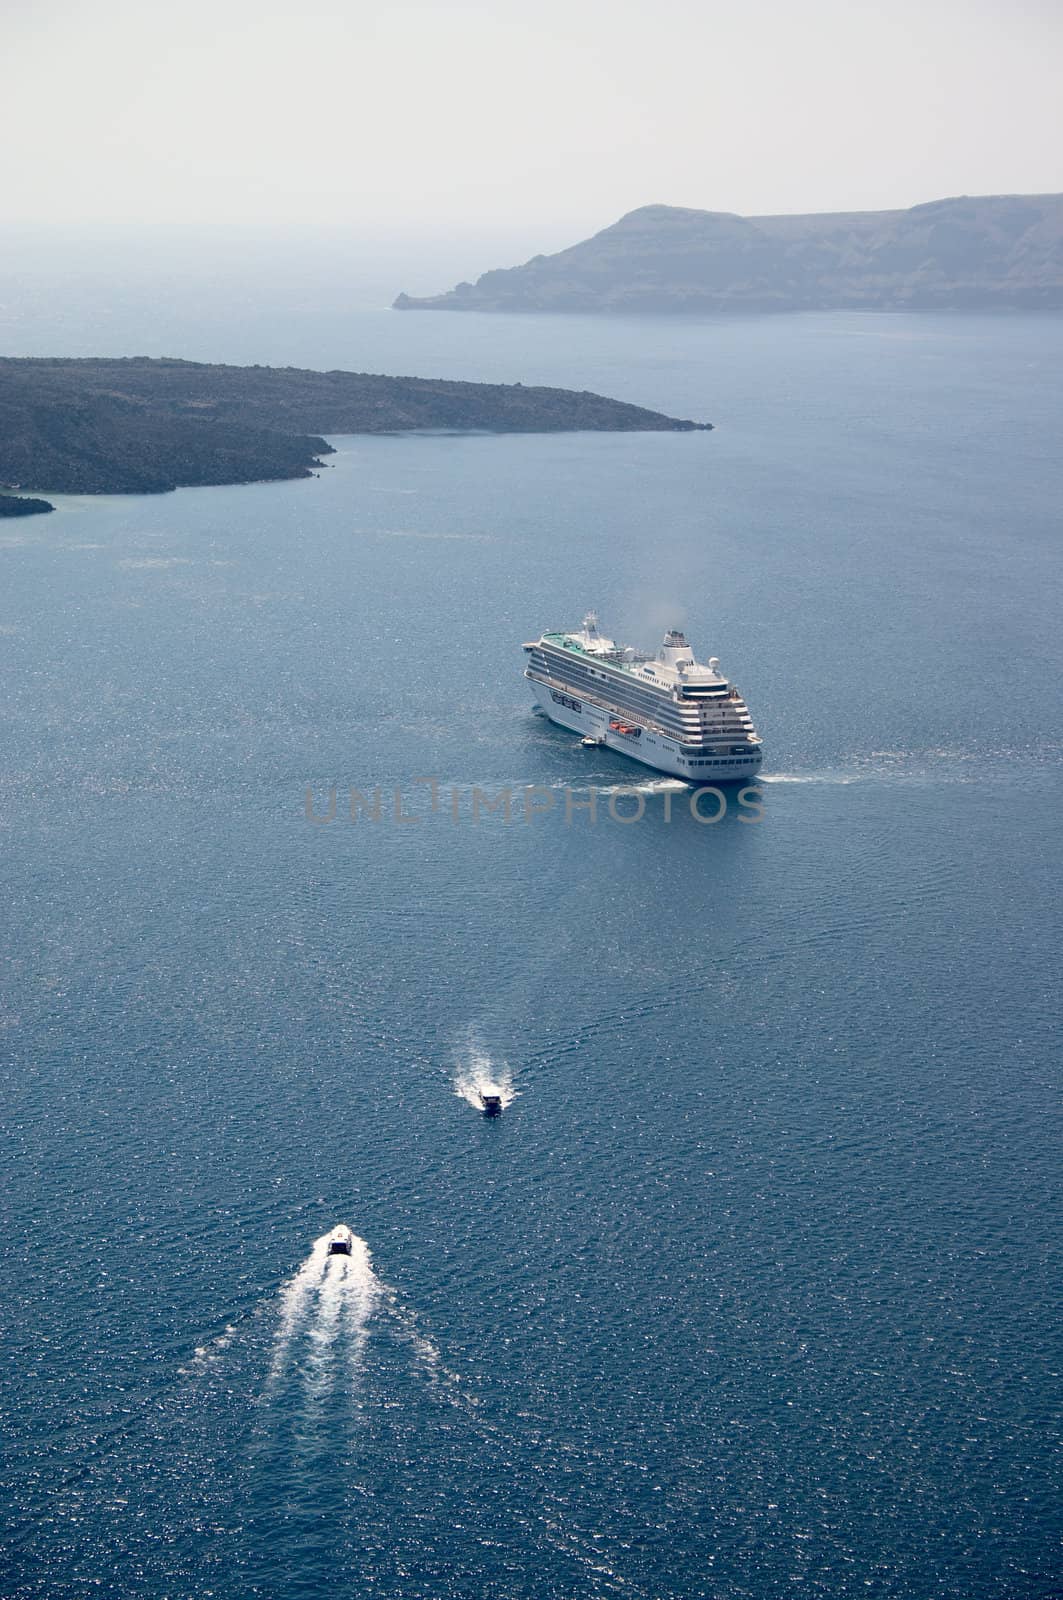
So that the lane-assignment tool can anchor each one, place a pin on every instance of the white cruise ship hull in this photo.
(649, 747)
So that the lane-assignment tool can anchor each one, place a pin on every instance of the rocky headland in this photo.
(21, 505)
(141, 425)
(990, 252)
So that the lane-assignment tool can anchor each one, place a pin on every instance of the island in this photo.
(21, 505)
(992, 252)
(140, 425)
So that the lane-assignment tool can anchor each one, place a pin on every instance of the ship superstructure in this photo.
(668, 711)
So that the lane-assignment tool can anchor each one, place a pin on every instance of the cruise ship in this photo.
(667, 711)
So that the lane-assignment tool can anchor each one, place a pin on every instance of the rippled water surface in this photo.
(747, 1293)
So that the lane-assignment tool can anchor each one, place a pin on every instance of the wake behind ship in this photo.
(668, 711)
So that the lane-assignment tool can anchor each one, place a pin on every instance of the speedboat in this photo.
(340, 1241)
(491, 1101)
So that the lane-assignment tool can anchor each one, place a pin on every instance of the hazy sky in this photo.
(564, 112)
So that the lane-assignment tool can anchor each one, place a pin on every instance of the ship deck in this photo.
(611, 658)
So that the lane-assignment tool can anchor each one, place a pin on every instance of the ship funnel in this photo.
(675, 651)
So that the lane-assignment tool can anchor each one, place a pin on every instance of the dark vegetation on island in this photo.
(21, 505)
(140, 425)
(990, 252)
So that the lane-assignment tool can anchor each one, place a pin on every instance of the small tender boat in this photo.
(491, 1101)
(340, 1241)
(592, 741)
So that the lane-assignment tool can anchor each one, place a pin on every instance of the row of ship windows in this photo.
(644, 703)
(674, 716)
(576, 669)
(688, 732)
(688, 691)
(670, 717)
(634, 689)
(712, 761)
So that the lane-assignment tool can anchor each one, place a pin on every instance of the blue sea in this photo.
(748, 1292)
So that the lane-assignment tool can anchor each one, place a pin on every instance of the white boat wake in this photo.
(326, 1313)
(326, 1306)
(325, 1325)
(207, 1356)
(811, 777)
(640, 785)
(480, 1076)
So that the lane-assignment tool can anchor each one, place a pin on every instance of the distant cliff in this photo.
(139, 425)
(1001, 251)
